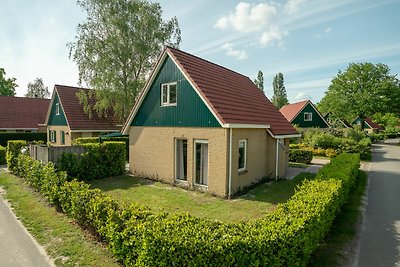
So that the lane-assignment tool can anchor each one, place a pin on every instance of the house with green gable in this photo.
(66, 119)
(203, 126)
(304, 114)
(367, 124)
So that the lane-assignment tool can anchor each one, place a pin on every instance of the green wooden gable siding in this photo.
(358, 122)
(58, 120)
(190, 110)
(316, 122)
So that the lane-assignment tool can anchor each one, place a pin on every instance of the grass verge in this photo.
(339, 240)
(63, 241)
(298, 165)
(158, 196)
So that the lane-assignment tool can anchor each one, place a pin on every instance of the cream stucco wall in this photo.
(58, 130)
(152, 154)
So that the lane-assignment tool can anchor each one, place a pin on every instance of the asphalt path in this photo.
(379, 243)
(17, 247)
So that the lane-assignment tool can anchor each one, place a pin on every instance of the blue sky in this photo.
(307, 40)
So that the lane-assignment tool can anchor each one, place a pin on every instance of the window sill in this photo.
(242, 172)
(168, 105)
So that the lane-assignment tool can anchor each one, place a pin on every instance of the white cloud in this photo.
(230, 51)
(302, 96)
(248, 17)
(328, 30)
(293, 6)
(273, 34)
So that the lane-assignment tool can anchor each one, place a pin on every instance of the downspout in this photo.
(230, 164)
(277, 159)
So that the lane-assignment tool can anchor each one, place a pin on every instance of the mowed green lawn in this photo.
(163, 197)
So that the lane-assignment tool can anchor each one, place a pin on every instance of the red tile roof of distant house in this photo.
(290, 111)
(373, 125)
(232, 97)
(22, 113)
(76, 117)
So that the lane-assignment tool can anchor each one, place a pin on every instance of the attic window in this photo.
(168, 94)
(57, 109)
(307, 116)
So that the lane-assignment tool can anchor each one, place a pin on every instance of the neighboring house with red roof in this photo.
(66, 119)
(368, 125)
(206, 127)
(304, 114)
(23, 114)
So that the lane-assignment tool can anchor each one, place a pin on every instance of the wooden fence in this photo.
(53, 154)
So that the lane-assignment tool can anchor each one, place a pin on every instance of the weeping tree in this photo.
(115, 49)
(279, 99)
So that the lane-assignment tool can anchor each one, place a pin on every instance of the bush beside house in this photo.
(2, 155)
(99, 161)
(29, 137)
(136, 236)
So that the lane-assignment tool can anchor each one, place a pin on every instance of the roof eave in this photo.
(248, 126)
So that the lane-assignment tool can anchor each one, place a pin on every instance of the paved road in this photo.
(379, 244)
(17, 247)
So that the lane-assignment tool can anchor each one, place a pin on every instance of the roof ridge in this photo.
(205, 60)
(74, 87)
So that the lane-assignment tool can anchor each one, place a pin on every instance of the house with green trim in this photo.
(367, 124)
(200, 125)
(66, 119)
(304, 114)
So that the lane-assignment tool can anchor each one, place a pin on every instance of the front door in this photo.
(201, 162)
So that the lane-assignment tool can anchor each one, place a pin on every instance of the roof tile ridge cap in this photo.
(193, 81)
(205, 60)
(73, 87)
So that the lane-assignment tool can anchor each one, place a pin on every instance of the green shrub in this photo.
(136, 236)
(300, 156)
(69, 163)
(29, 137)
(355, 134)
(13, 150)
(325, 140)
(90, 140)
(3, 155)
(99, 161)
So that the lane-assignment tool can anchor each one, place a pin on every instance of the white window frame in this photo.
(57, 108)
(200, 141)
(176, 159)
(308, 114)
(245, 155)
(52, 136)
(168, 102)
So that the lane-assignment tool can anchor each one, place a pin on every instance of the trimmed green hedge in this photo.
(13, 150)
(88, 140)
(5, 137)
(136, 236)
(2, 155)
(99, 161)
(300, 156)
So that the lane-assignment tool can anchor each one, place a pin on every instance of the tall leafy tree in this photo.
(279, 99)
(7, 85)
(363, 89)
(259, 81)
(116, 47)
(37, 89)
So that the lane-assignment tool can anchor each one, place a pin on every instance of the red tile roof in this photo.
(290, 111)
(374, 125)
(22, 112)
(75, 115)
(233, 97)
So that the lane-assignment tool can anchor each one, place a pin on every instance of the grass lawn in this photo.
(158, 196)
(63, 241)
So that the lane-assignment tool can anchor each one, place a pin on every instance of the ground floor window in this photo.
(201, 162)
(242, 155)
(181, 159)
(62, 137)
(53, 136)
